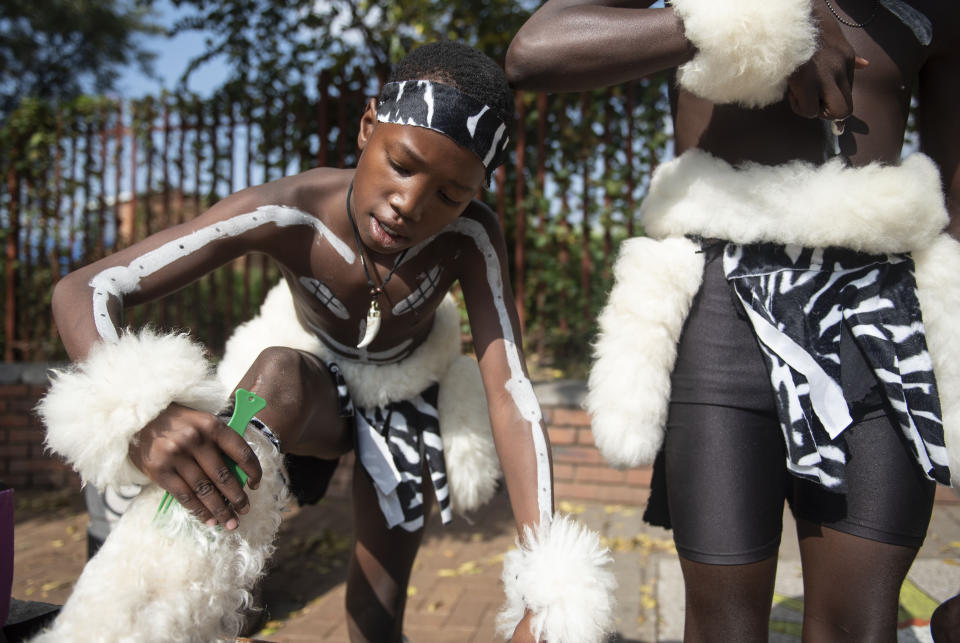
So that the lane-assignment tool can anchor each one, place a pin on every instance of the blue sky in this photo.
(172, 57)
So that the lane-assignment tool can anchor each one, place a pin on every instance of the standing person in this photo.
(357, 348)
(783, 244)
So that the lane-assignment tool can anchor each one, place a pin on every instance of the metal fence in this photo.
(85, 179)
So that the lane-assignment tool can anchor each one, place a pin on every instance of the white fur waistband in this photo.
(874, 208)
(369, 384)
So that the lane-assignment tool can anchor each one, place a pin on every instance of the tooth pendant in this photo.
(372, 325)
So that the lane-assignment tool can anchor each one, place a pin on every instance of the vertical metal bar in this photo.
(118, 205)
(102, 119)
(10, 272)
(520, 227)
(585, 262)
(631, 180)
(323, 125)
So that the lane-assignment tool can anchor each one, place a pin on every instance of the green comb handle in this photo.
(246, 405)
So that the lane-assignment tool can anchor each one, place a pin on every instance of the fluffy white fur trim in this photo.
(472, 464)
(746, 50)
(938, 286)
(561, 573)
(640, 325)
(471, 457)
(874, 208)
(93, 409)
(370, 384)
(171, 578)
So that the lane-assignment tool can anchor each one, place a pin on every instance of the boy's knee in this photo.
(277, 375)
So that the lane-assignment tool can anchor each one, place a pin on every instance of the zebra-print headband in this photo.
(447, 110)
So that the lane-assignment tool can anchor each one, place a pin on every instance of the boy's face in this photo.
(409, 184)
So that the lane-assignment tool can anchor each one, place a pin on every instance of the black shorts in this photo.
(723, 463)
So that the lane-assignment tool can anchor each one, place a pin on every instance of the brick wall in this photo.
(579, 471)
(23, 463)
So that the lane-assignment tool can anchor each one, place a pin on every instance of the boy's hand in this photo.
(823, 86)
(521, 634)
(182, 451)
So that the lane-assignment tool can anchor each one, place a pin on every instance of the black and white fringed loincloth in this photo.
(394, 442)
(798, 300)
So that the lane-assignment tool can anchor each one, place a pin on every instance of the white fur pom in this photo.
(471, 458)
(938, 288)
(171, 578)
(746, 50)
(560, 572)
(93, 409)
(629, 383)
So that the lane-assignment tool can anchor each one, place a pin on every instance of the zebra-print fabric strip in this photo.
(447, 110)
(393, 443)
(797, 300)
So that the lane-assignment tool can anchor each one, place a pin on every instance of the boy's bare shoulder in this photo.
(479, 212)
(313, 191)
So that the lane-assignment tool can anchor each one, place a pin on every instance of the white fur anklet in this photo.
(560, 573)
(94, 408)
(746, 49)
(938, 289)
(166, 578)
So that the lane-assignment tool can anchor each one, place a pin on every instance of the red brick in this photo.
(22, 405)
(3, 406)
(570, 417)
(14, 450)
(17, 480)
(36, 464)
(18, 436)
(14, 390)
(563, 435)
(547, 414)
(585, 437)
(639, 477)
(563, 471)
(577, 455)
(946, 495)
(599, 474)
(15, 419)
(601, 493)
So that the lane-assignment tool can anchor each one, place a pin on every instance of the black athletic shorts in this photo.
(721, 480)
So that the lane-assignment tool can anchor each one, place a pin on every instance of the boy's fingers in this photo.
(237, 449)
(184, 495)
(208, 495)
(860, 63)
(218, 474)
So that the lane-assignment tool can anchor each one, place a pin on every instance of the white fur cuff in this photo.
(168, 578)
(629, 384)
(561, 574)
(94, 408)
(746, 49)
(938, 288)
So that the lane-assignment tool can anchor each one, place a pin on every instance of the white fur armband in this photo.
(746, 49)
(94, 408)
(560, 573)
(938, 289)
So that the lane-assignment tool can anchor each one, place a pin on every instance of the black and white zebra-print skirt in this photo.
(798, 300)
(394, 442)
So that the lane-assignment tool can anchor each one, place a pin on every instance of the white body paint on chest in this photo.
(120, 280)
(325, 296)
(419, 296)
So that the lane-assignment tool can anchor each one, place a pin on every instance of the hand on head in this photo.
(182, 451)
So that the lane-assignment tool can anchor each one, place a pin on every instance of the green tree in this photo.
(58, 49)
(279, 43)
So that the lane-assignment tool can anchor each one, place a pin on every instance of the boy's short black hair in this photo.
(461, 66)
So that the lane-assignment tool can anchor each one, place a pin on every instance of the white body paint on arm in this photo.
(120, 280)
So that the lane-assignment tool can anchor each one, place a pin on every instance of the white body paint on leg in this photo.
(121, 280)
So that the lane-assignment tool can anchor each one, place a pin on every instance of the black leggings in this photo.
(724, 456)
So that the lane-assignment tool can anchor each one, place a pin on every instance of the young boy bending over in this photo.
(356, 348)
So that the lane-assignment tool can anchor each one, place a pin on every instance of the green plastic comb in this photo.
(246, 405)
